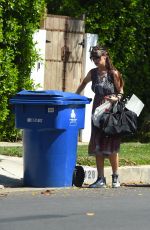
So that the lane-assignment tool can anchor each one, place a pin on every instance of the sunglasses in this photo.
(96, 58)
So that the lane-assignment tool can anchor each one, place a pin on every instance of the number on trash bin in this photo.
(34, 120)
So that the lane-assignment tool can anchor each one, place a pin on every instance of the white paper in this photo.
(135, 105)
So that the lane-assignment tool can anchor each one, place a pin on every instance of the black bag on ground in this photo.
(118, 121)
(78, 176)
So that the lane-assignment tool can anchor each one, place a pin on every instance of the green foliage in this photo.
(65, 7)
(123, 27)
(144, 136)
(19, 19)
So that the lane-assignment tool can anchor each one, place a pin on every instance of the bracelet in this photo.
(119, 96)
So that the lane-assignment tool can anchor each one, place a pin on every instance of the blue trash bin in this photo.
(50, 121)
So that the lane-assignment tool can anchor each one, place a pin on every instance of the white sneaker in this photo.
(99, 183)
(115, 181)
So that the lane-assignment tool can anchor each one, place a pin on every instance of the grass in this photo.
(134, 153)
(130, 154)
(12, 151)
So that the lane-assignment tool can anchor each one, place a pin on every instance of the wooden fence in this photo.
(64, 52)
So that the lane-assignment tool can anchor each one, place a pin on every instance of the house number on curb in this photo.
(90, 174)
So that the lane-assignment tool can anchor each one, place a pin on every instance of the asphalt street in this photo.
(125, 208)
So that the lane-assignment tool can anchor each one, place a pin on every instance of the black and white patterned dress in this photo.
(99, 144)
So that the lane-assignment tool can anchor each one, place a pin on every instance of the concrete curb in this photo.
(11, 174)
(127, 174)
(11, 144)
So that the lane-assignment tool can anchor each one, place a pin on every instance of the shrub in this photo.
(18, 22)
(144, 136)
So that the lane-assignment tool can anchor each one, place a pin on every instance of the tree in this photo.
(123, 27)
(18, 21)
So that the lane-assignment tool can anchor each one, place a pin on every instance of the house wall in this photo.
(37, 73)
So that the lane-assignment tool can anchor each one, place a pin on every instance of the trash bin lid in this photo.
(53, 97)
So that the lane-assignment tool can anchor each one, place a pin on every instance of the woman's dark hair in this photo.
(98, 51)
(110, 68)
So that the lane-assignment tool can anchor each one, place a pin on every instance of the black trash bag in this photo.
(78, 176)
(118, 121)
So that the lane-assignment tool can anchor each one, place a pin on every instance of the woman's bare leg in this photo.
(101, 181)
(100, 165)
(114, 161)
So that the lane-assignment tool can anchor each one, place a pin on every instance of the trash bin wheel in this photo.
(78, 176)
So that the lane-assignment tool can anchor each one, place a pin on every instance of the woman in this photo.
(107, 84)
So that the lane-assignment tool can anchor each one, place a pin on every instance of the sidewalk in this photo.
(11, 172)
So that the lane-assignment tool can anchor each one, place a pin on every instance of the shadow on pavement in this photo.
(137, 185)
(10, 182)
(31, 217)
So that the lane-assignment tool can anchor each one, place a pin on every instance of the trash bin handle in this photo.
(38, 92)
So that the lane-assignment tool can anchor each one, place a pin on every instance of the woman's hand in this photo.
(111, 98)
